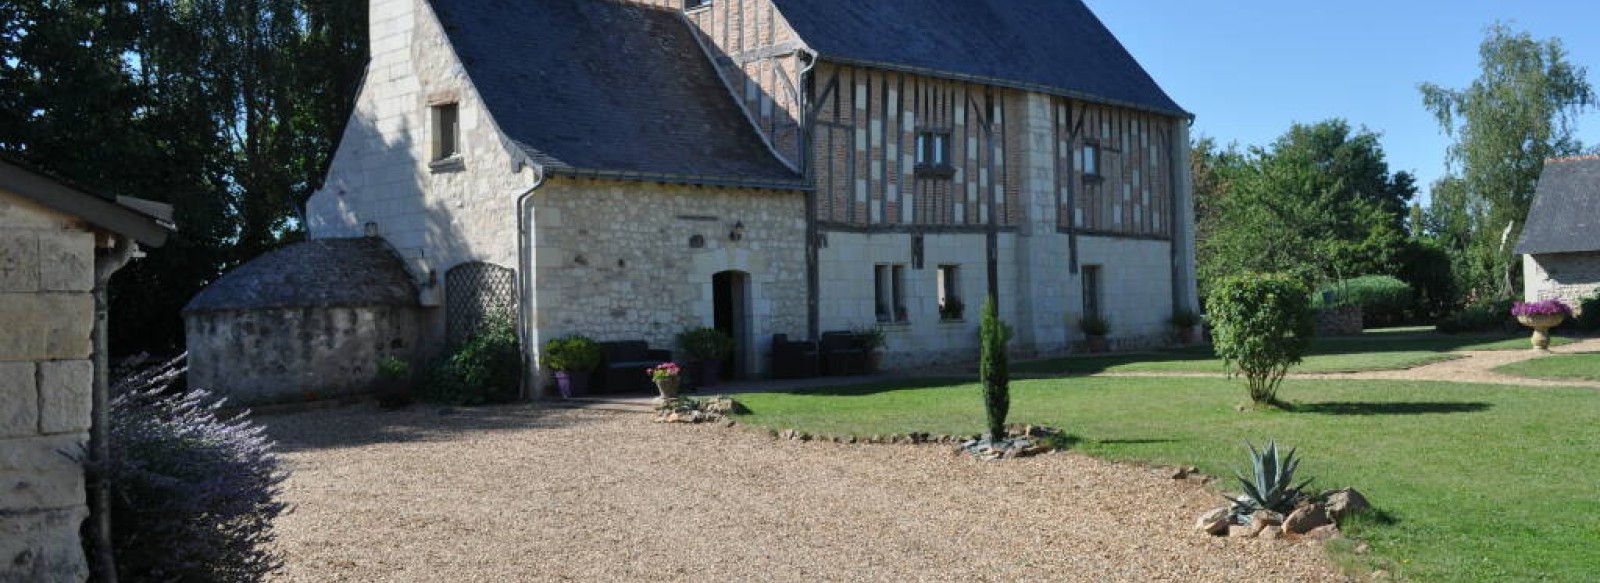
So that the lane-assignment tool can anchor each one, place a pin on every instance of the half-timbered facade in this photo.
(769, 167)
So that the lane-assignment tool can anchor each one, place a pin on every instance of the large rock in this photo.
(1343, 503)
(1306, 518)
(1214, 521)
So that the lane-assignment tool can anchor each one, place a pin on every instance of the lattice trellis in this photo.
(474, 291)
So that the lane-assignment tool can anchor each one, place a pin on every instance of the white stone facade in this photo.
(613, 261)
(1569, 277)
(47, 313)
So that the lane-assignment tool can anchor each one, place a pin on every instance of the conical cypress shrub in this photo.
(993, 369)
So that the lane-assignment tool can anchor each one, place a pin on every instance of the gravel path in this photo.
(1476, 367)
(523, 494)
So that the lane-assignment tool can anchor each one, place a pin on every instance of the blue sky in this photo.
(1249, 68)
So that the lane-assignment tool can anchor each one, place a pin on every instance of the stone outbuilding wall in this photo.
(46, 375)
(1569, 277)
(306, 322)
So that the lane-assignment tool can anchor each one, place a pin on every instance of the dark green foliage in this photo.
(485, 369)
(1262, 325)
(229, 111)
(1270, 485)
(1425, 265)
(1383, 299)
(1588, 318)
(1318, 202)
(1093, 325)
(193, 494)
(394, 383)
(705, 344)
(573, 353)
(870, 337)
(1185, 318)
(993, 368)
(1490, 316)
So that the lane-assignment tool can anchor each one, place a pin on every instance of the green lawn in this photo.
(1482, 483)
(1582, 367)
(1374, 350)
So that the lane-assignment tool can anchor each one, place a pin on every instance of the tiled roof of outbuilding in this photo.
(1565, 217)
(1052, 46)
(320, 273)
(610, 89)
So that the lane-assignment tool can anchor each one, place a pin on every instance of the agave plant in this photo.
(1271, 487)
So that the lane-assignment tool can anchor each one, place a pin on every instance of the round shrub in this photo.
(1384, 300)
(193, 495)
(1262, 325)
(485, 369)
(573, 353)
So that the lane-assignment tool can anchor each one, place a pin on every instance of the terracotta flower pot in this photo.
(1098, 343)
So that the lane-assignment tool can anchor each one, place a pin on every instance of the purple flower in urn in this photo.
(1541, 308)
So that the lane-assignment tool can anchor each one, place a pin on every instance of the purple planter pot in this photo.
(572, 383)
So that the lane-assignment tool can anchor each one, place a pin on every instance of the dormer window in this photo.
(933, 154)
(446, 122)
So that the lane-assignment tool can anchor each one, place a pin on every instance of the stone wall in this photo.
(46, 376)
(282, 355)
(1340, 321)
(1569, 277)
(615, 261)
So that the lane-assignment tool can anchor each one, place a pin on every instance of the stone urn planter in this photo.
(667, 378)
(668, 387)
(1541, 316)
(1541, 325)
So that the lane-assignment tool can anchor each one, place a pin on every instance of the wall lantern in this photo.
(737, 233)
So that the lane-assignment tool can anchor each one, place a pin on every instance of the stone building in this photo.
(58, 247)
(1560, 244)
(769, 167)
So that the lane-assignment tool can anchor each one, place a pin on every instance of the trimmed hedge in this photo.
(1384, 300)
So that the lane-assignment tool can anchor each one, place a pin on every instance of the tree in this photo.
(226, 109)
(1261, 326)
(1319, 202)
(1521, 110)
(992, 368)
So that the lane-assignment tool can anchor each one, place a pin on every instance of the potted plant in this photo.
(667, 377)
(951, 308)
(871, 339)
(573, 359)
(706, 348)
(1184, 322)
(394, 383)
(1094, 329)
(1541, 316)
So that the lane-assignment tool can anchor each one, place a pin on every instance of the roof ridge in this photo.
(1578, 158)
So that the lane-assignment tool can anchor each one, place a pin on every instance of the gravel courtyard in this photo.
(523, 494)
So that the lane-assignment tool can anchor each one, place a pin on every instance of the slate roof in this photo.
(1565, 217)
(608, 89)
(320, 273)
(1052, 46)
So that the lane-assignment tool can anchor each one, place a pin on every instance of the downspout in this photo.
(813, 256)
(103, 564)
(524, 287)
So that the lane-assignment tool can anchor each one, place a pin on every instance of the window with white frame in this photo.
(951, 304)
(889, 285)
(933, 153)
(1091, 159)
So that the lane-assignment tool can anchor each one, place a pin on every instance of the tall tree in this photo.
(226, 109)
(1319, 202)
(1521, 110)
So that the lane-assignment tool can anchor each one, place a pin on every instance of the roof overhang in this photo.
(146, 222)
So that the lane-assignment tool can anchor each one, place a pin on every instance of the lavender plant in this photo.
(194, 494)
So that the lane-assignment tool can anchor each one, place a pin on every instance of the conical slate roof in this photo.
(313, 274)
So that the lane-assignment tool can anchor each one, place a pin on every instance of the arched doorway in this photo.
(730, 295)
